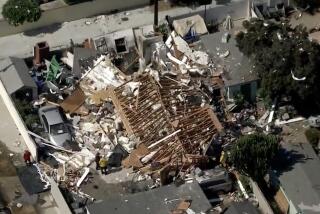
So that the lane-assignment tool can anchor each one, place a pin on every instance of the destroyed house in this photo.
(15, 76)
(172, 129)
(82, 57)
(237, 70)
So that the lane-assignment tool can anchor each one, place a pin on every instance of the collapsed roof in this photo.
(171, 121)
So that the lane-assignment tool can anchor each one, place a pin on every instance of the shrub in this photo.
(16, 12)
(313, 136)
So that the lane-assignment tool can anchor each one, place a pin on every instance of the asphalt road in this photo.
(59, 35)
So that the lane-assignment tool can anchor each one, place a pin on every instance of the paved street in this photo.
(9, 133)
(22, 44)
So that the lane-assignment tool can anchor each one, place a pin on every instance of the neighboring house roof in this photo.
(244, 207)
(14, 74)
(300, 179)
(238, 68)
(81, 54)
(157, 201)
(182, 26)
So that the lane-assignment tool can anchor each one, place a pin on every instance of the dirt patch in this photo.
(7, 168)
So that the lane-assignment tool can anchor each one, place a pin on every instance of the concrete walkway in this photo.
(9, 133)
(22, 44)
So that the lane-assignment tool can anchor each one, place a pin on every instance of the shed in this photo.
(15, 76)
(196, 23)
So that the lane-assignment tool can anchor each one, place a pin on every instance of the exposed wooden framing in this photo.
(197, 124)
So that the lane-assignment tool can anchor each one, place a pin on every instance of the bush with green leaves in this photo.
(286, 61)
(313, 136)
(17, 12)
(27, 112)
(252, 154)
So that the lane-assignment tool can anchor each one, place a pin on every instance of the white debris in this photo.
(225, 54)
(68, 60)
(43, 177)
(296, 78)
(90, 127)
(84, 175)
(199, 57)
(155, 107)
(103, 74)
(131, 89)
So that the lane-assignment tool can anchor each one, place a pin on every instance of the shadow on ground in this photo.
(48, 29)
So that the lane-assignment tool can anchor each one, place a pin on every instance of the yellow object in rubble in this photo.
(103, 162)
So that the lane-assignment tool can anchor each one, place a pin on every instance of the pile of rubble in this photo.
(162, 118)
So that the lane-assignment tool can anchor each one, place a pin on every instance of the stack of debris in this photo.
(164, 116)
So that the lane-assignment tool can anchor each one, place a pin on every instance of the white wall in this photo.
(127, 34)
(263, 203)
(58, 197)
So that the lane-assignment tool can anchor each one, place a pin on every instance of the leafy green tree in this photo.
(252, 154)
(313, 136)
(27, 112)
(16, 12)
(285, 59)
(307, 3)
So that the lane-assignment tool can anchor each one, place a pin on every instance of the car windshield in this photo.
(58, 129)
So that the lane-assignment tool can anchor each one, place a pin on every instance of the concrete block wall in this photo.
(263, 203)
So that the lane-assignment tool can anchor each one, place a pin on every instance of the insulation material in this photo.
(103, 74)
(199, 57)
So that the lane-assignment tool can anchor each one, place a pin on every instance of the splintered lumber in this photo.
(168, 139)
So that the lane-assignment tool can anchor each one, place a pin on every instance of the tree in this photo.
(285, 59)
(27, 112)
(312, 4)
(252, 154)
(16, 12)
(313, 136)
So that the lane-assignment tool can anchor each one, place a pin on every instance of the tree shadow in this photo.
(287, 159)
(48, 29)
(222, 2)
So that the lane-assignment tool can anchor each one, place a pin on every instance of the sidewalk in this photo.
(21, 45)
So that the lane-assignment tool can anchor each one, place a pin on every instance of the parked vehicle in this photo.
(54, 123)
(314, 121)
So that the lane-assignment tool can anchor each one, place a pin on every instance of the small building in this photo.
(244, 207)
(161, 200)
(192, 26)
(237, 70)
(15, 76)
(298, 179)
(145, 38)
(268, 8)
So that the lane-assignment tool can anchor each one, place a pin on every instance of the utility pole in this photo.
(156, 11)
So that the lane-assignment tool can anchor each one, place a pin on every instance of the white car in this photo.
(55, 125)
